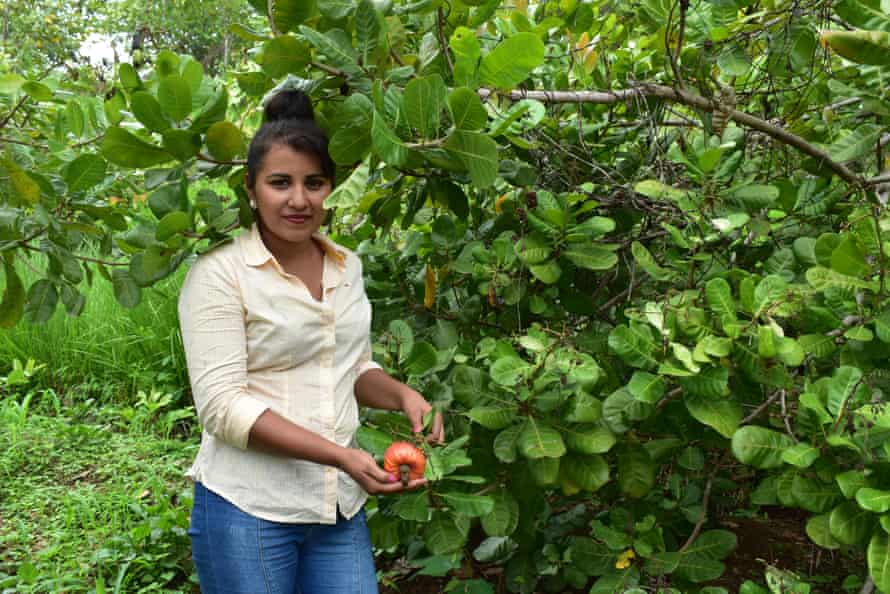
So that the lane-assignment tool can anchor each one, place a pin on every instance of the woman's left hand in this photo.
(416, 408)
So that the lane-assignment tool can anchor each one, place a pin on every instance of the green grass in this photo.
(108, 351)
(94, 504)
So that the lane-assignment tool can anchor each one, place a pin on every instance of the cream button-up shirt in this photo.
(255, 339)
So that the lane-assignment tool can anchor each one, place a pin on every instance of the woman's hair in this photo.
(288, 119)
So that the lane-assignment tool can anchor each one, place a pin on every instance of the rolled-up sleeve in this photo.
(212, 320)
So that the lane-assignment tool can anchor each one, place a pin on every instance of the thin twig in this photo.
(210, 159)
(440, 31)
(693, 100)
(785, 418)
(14, 109)
(704, 511)
(761, 408)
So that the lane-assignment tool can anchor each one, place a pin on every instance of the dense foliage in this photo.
(634, 251)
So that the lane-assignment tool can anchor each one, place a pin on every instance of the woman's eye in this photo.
(280, 183)
(314, 184)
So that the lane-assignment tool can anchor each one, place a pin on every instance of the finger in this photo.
(380, 475)
(437, 435)
(416, 484)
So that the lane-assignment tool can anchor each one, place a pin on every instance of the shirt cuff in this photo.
(242, 415)
(366, 366)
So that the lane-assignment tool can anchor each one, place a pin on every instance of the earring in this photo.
(253, 203)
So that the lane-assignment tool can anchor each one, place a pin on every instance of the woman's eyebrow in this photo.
(277, 174)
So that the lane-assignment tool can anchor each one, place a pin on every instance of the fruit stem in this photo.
(404, 469)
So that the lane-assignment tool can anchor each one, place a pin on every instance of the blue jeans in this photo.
(237, 553)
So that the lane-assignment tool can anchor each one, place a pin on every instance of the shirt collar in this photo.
(256, 253)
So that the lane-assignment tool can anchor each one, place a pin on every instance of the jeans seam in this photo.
(358, 557)
(214, 573)
(270, 584)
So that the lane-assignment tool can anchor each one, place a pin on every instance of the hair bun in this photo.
(289, 104)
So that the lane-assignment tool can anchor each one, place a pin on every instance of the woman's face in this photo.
(289, 191)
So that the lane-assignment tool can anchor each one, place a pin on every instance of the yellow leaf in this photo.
(429, 288)
(498, 203)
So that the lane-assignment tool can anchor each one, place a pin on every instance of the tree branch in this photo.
(692, 100)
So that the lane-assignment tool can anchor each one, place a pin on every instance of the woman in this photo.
(276, 332)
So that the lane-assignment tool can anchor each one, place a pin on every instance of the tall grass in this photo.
(108, 350)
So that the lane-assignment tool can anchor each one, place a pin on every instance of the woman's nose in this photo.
(297, 197)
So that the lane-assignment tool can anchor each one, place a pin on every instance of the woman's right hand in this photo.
(362, 467)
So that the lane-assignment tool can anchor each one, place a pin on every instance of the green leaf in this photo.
(720, 414)
(504, 516)
(841, 388)
(422, 359)
(443, 535)
(540, 441)
(13, 305)
(349, 193)
(801, 455)
(596, 440)
(288, 14)
(820, 533)
(148, 111)
(74, 118)
(879, 559)
(823, 278)
(283, 55)
(512, 61)
(850, 524)
(591, 257)
(587, 472)
(874, 500)
(548, 272)
(621, 408)
(385, 142)
(85, 172)
(413, 507)
(755, 195)
(760, 447)
(468, 504)
(719, 296)
(373, 440)
(166, 199)
(43, 297)
(645, 260)
(850, 482)
(855, 143)
(544, 471)
(423, 103)
(334, 46)
(225, 141)
(862, 47)
(847, 258)
(10, 83)
(478, 153)
(171, 224)
(23, 185)
(367, 29)
(700, 562)
(634, 344)
(467, 111)
(336, 9)
(175, 97)
(712, 383)
(37, 91)
(636, 472)
(814, 495)
(493, 417)
(183, 144)
(505, 444)
(817, 345)
(124, 149)
(646, 387)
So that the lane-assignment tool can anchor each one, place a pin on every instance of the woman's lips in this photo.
(297, 219)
